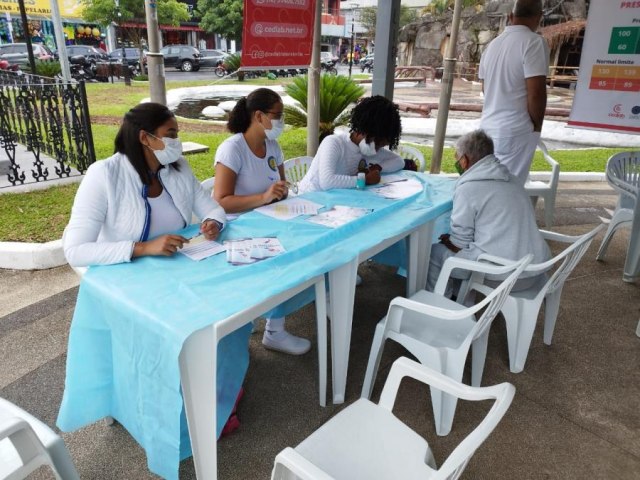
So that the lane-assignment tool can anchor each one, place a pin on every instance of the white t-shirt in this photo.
(515, 55)
(254, 174)
(336, 164)
(165, 217)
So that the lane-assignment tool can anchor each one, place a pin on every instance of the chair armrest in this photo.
(404, 367)
(299, 466)
(11, 425)
(481, 265)
(558, 237)
(431, 310)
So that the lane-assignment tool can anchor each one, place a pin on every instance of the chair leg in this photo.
(444, 405)
(62, 461)
(551, 308)
(374, 360)
(632, 263)
(478, 356)
(549, 209)
(638, 329)
(618, 220)
(521, 322)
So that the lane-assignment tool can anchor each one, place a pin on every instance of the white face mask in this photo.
(172, 150)
(277, 127)
(367, 149)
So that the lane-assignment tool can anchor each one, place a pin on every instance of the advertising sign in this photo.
(42, 8)
(608, 89)
(277, 34)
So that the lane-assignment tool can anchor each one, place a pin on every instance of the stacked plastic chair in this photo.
(623, 174)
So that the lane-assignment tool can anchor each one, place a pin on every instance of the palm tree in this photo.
(337, 93)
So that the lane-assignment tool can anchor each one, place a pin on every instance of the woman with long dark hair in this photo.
(249, 174)
(128, 204)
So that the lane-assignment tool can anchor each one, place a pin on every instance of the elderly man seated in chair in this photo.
(492, 214)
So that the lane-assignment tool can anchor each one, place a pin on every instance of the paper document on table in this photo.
(398, 190)
(388, 179)
(290, 208)
(199, 248)
(251, 250)
(338, 216)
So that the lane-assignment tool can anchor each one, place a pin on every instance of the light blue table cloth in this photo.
(132, 319)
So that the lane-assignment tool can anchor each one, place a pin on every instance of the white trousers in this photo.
(516, 153)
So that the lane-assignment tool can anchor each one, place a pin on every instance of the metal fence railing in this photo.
(50, 119)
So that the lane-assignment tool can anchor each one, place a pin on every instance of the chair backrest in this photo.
(555, 166)
(571, 256)
(208, 185)
(495, 300)
(457, 460)
(623, 172)
(412, 153)
(296, 168)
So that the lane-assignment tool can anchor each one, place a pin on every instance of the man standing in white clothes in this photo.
(513, 70)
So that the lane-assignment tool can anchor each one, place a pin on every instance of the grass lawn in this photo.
(41, 216)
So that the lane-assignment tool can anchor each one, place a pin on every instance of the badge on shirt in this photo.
(273, 165)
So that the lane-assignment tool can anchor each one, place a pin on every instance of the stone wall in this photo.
(424, 42)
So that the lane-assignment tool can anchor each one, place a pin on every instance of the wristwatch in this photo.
(220, 225)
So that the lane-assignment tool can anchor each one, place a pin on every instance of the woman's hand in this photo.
(165, 245)
(209, 228)
(372, 177)
(276, 191)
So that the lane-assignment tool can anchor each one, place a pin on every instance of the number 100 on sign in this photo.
(625, 41)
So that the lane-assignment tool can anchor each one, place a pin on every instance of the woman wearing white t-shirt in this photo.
(249, 174)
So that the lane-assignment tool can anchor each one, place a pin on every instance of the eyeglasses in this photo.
(276, 115)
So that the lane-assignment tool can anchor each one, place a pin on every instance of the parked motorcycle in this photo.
(329, 67)
(366, 65)
(82, 68)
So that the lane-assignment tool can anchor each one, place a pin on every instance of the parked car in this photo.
(182, 57)
(133, 57)
(16, 53)
(211, 58)
(92, 54)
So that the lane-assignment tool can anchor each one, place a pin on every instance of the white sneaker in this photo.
(285, 342)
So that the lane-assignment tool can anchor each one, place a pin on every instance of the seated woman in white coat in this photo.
(249, 174)
(374, 124)
(127, 205)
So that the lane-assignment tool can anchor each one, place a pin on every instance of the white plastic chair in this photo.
(623, 174)
(26, 444)
(366, 441)
(521, 308)
(412, 153)
(439, 332)
(546, 190)
(296, 168)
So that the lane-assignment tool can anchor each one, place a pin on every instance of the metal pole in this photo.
(353, 40)
(155, 60)
(445, 92)
(27, 36)
(58, 31)
(313, 86)
(387, 21)
(125, 66)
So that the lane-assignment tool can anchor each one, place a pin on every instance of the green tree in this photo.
(104, 12)
(337, 93)
(223, 17)
(368, 18)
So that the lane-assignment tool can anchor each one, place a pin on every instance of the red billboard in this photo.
(277, 33)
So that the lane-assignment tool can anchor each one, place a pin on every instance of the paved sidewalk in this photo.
(575, 414)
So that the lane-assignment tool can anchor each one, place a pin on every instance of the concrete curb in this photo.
(40, 256)
(31, 256)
